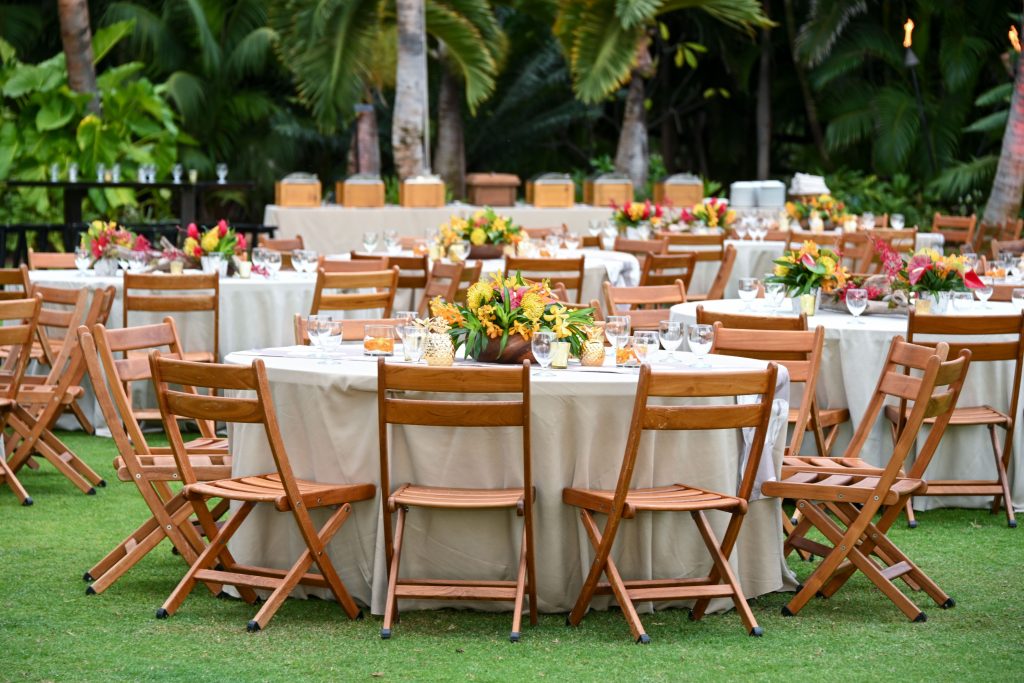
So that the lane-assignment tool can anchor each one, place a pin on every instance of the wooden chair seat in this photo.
(268, 488)
(968, 415)
(673, 498)
(827, 486)
(792, 463)
(460, 498)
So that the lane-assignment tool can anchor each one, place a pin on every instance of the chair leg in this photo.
(8, 477)
(391, 608)
(35, 438)
(787, 529)
(1004, 482)
(83, 421)
(618, 586)
(722, 571)
(517, 609)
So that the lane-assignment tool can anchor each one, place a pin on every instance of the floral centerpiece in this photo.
(632, 214)
(807, 272)
(501, 316)
(109, 242)
(486, 231)
(714, 214)
(219, 239)
(826, 207)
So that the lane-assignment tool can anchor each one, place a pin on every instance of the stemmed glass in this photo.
(748, 291)
(616, 326)
(645, 343)
(897, 221)
(403, 318)
(370, 241)
(83, 259)
(392, 245)
(774, 294)
(541, 346)
(137, 261)
(222, 173)
(741, 228)
(272, 260)
(594, 227)
(304, 260)
(316, 325)
(553, 243)
(259, 260)
(700, 338)
(670, 332)
(572, 242)
(970, 259)
(857, 302)
(984, 293)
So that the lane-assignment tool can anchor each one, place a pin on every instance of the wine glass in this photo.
(458, 251)
(748, 291)
(137, 261)
(594, 227)
(83, 259)
(897, 221)
(970, 259)
(1017, 297)
(572, 242)
(541, 346)
(259, 259)
(742, 226)
(315, 324)
(404, 319)
(774, 294)
(984, 293)
(413, 340)
(553, 243)
(857, 302)
(177, 171)
(330, 336)
(645, 343)
(670, 332)
(700, 338)
(616, 326)
(273, 262)
(222, 173)
(867, 220)
(370, 241)
(392, 244)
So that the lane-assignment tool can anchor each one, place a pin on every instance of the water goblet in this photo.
(616, 326)
(83, 259)
(867, 221)
(553, 243)
(670, 332)
(857, 302)
(54, 172)
(984, 293)
(222, 173)
(700, 339)
(299, 260)
(413, 341)
(273, 262)
(541, 346)
(897, 221)
(101, 173)
(594, 227)
(774, 294)
(315, 326)
(405, 318)
(370, 241)
(73, 173)
(137, 261)
(1017, 298)
(115, 173)
(331, 336)
(392, 244)
(177, 171)
(748, 291)
(742, 227)
(572, 242)
(970, 259)
(645, 344)
(259, 259)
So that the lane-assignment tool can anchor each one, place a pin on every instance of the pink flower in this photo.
(807, 260)
(918, 266)
(193, 231)
(240, 244)
(222, 227)
(141, 243)
(972, 280)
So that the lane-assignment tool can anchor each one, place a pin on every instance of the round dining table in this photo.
(579, 422)
(851, 362)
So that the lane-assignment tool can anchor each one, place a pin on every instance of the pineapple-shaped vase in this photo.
(438, 349)
(592, 350)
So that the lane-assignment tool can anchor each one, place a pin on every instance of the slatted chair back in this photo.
(856, 251)
(901, 241)
(1016, 246)
(702, 244)
(539, 233)
(565, 271)
(285, 245)
(17, 333)
(800, 353)
(562, 296)
(718, 284)
(444, 281)
(404, 398)
(470, 273)
(14, 283)
(413, 271)
(62, 312)
(590, 241)
(50, 260)
(359, 291)
(159, 293)
(647, 304)
(1011, 230)
(955, 230)
(362, 263)
(822, 239)
(752, 322)
(665, 269)
(640, 248)
(352, 329)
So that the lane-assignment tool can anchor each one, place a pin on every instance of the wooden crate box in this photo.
(678, 194)
(492, 189)
(417, 193)
(360, 193)
(553, 192)
(297, 194)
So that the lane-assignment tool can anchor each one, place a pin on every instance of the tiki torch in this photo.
(911, 61)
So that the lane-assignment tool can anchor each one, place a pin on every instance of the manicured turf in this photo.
(50, 630)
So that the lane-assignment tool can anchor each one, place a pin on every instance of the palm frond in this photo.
(897, 128)
(959, 180)
(961, 57)
(188, 93)
(207, 43)
(632, 13)
(152, 35)
(828, 19)
(997, 95)
(250, 55)
(993, 123)
(849, 129)
(466, 47)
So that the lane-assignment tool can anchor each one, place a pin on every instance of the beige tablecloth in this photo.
(851, 362)
(328, 417)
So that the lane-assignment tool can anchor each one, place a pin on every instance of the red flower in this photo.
(193, 231)
(141, 243)
(972, 280)
(807, 260)
(222, 227)
(658, 211)
(240, 243)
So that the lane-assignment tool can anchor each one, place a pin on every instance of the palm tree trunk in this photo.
(367, 140)
(632, 154)
(1008, 187)
(764, 105)
(76, 37)
(810, 108)
(410, 88)
(450, 161)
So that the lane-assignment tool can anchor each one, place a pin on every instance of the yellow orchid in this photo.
(558, 320)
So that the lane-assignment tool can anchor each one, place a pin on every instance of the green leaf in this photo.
(9, 146)
(105, 38)
(663, 31)
(993, 123)
(55, 113)
(678, 57)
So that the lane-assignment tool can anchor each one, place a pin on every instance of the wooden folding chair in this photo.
(590, 241)
(1011, 230)
(279, 488)
(624, 502)
(285, 245)
(363, 263)
(176, 294)
(394, 407)
(1016, 246)
(856, 251)
(352, 329)
(566, 271)
(50, 260)
(470, 273)
(362, 291)
(443, 281)
(955, 230)
(796, 239)
(713, 243)
(989, 338)
(538, 233)
(151, 469)
(15, 283)
(413, 271)
(717, 288)
(665, 269)
(647, 304)
(841, 496)
(17, 332)
(640, 248)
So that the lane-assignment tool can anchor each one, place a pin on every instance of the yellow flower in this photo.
(830, 265)
(478, 214)
(558, 320)
(446, 311)
(190, 246)
(478, 236)
(532, 305)
(478, 294)
(781, 270)
(210, 240)
(525, 331)
(500, 224)
(486, 316)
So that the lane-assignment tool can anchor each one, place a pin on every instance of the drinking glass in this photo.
(392, 244)
(700, 338)
(458, 251)
(211, 262)
(83, 259)
(857, 302)
(594, 227)
(177, 171)
(137, 261)
(742, 227)
(643, 230)
(963, 301)
(867, 220)
(897, 221)
(625, 351)
(330, 337)
(299, 262)
(413, 339)
(670, 332)
(259, 259)
(774, 294)
(273, 262)
(405, 318)
(1017, 297)
(73, 173)
(572, 242)
(379, 340)
(315, 326)
(984, 293)
(222, 173)
(645, 344)
(616, 326)
(115, 173)
(541, 346)
(553, 243)
(747, 291)
(54, 173)
(370, 241)
(970, 259)
(101, 173)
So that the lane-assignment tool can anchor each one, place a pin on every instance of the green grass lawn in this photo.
(50, 629)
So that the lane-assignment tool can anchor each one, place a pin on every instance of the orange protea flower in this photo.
(446, 311)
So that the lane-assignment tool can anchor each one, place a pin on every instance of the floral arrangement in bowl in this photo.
(824, 206)
(221, 238)
(931, 272)
(107, 239)
(713, 213)
(501, 316)
(632, 214)
(809, 268)
(485, 227)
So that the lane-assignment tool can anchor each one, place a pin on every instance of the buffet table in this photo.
(851, 362)
(580, 418)
(332, 229)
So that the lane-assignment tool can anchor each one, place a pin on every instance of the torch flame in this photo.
(1014, 38)
(908, 29)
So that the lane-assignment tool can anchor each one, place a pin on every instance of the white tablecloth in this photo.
(851, 362)
(337, 229)
(580, 420)
(754, 259)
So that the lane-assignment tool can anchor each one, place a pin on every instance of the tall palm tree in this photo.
(606, 44)
(407, 125)
(76, 35)
(1004, 201)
